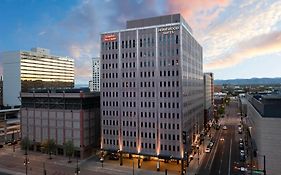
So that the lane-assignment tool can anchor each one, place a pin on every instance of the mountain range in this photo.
(251, 81)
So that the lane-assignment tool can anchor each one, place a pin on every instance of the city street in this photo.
(224, 155)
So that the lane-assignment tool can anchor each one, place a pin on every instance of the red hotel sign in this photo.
(109, 37)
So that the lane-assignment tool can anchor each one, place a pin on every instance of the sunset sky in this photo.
(240, 39)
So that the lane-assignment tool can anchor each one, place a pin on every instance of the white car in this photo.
(207, 150)
(224, 128)
(243, 169)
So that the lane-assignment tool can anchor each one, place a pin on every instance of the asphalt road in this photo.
(224, 155)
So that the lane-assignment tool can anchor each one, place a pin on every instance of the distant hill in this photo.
(249, 81)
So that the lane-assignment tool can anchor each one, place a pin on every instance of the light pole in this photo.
(139, 161)
(44, 169)
(197, 146)
(25, 163)
(133, 167)
(102, 158)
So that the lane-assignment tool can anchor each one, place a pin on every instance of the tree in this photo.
(25, 143)
(49, 146)
(69, 149)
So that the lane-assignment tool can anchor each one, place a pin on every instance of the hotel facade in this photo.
(152, 98)
(27, 70)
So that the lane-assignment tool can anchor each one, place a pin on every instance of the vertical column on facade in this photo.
(138, 139)
(181, 91)
(158, 142)
(119, 96)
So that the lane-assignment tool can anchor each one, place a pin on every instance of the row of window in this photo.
(169, 94)
(143, 145)
(132, 114)
(109, 45)
(168, 39)
(129, 65)
(110, 66)
(162, 63)
(128, 44)
(169, 126)
(142, 104)
(109, 56)
(111, 84)
(109, 75)
(143, 94)
(128, 74)
(147, 135)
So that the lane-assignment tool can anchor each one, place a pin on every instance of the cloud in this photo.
(41, 33)
(252, 20)
(257, 46)
(198, 13)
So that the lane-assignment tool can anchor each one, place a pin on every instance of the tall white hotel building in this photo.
(151, 88)
(27, 70)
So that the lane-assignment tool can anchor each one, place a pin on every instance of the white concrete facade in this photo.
(96, 74)
(266, 133)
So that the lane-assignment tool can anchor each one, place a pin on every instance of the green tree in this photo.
(69, 149)
(25, 144)
(221, 110)
(49, 146)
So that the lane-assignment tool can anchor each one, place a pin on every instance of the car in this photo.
(222, 139)
(1, 146)
(113, 156)
(207, 150)
(210, 145)
(224, 128)
(242, 158)
(239, 131)
(243, 169)
(240, 140)
(212, 140)
(241, 146)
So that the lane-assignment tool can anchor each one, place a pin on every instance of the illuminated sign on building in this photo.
(168, 30)
(109, 37)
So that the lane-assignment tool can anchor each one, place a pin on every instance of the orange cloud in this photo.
(257, 46)
(198, 13)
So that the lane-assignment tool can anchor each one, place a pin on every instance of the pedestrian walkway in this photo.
(195, 164)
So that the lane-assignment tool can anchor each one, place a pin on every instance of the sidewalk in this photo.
(195, 164)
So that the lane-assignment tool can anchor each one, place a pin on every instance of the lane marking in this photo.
(229, 160)
(217, 143)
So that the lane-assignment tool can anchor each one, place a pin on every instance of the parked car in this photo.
(207, 150)
(241, 146)
(224, 128)
(239, 131)
(242, 158)
(113, 156)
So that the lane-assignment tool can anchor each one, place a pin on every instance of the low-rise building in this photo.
(263, 123)
(208, 97)
(9, 125)
(62, 115)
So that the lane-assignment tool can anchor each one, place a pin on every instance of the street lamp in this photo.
(25, 163)
(197, 146)
(120, 155)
